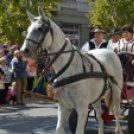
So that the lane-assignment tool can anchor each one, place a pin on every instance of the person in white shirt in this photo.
(97, 42)
(115, 39)
(125, 46)
(15, 59)
(6, 77)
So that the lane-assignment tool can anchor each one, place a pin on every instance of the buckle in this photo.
(67, 80)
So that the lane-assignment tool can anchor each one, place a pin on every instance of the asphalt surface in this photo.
(40, 117)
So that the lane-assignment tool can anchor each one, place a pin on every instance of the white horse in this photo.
(79, 94)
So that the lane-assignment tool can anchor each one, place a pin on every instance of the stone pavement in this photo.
(40, 117)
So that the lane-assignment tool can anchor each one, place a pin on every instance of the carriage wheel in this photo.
(73, 121)
(131, 121)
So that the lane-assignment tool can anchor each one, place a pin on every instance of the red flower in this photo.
(107, 117)
(110, 117)
(104, 116)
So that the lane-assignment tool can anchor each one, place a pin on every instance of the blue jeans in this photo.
(40, 86)
(48, 76)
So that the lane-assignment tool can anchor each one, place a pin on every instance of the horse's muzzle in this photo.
(26, 50)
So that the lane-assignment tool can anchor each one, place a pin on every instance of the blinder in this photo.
(44, 28)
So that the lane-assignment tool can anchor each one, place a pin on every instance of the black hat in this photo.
(114, 31)
(99, 29)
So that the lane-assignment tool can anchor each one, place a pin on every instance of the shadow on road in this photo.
(18, 123)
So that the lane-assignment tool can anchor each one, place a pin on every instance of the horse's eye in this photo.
(39, 28)
(35, 19)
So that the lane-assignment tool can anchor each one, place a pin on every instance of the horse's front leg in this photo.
(63, 115)
(82, 111)
(98, 109)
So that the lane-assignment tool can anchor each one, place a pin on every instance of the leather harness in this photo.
(46, 27)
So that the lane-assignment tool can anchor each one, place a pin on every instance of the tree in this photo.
(13, 17)
(111, 14)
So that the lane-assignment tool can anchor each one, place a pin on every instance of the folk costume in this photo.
(126, 59)
(114, 44)
(90, 45)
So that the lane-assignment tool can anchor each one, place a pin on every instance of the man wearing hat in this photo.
(97, 42)
(115, 39)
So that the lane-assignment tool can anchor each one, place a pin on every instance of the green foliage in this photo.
(111, 14)
(13, 15)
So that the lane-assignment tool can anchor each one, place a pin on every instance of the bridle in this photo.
(45, 28)
(75, 78)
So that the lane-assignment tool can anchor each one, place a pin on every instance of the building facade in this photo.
(72, 18)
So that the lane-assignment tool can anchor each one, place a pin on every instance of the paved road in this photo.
(40, 117)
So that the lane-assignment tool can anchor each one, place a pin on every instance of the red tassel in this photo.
(107, 117)
(110, 117)
(104, 116)
(0, 77)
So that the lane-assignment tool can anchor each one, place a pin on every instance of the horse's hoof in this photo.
(119, 132)
(60, 131)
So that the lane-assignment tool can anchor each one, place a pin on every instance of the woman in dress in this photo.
(126, 44)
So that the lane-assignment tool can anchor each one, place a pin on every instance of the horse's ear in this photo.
(30, 16)
(41, 13)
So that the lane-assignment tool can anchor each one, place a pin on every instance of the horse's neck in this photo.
(58, 42)
(63, 59)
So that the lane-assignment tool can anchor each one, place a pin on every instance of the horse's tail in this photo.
(107, 101)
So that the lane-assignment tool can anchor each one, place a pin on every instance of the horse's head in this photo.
(39, 33)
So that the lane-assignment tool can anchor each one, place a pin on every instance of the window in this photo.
(72, 32)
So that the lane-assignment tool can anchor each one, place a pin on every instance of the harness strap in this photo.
(54, 59)
(79, 77)
(64, 68)
(105, 79)
(102, 67)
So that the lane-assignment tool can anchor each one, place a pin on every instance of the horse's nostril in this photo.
(26, 50)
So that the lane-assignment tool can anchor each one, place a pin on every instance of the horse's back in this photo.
(111, 62)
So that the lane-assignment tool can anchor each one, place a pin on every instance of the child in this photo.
(11, 94)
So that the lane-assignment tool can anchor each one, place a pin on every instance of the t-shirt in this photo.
(11, 93)
(14, 60)
(8, 60)
(29, 62)
(6, 77)
(115, 45)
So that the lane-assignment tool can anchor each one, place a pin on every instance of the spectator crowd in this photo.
(17, 73)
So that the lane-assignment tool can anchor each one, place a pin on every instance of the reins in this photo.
(57, 54)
